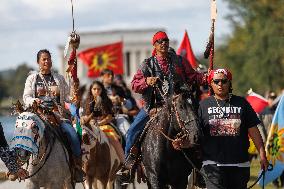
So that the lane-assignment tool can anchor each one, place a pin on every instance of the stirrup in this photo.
(124, 176)
(130, 161)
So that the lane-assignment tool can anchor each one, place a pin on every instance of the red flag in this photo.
(103, 57)
(185, 51)
(257, 101)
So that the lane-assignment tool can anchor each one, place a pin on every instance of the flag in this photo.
(103, 57)
(185, 51)
(257, 101)
(275, 145)
(75, 115)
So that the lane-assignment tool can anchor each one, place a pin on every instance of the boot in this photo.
(127, 172)
(79, 174)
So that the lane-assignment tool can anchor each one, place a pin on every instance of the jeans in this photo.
(73, 138)
(136, 129)
(226, 177)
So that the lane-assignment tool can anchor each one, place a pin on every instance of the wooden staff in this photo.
(73, 42)
(209, 52)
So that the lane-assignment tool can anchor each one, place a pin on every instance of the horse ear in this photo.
(18, 107)
(34, 107)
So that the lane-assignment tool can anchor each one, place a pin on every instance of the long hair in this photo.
(105, 101)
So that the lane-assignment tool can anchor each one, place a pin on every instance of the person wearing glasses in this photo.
(157, 74)
(226, 121)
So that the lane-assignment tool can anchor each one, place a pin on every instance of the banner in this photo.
(103, 57)
(257, 102)
(275, 145)
(185, 51)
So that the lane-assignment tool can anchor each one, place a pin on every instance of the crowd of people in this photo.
(225, 119)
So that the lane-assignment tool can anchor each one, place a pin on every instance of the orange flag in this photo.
(103, 57)
(185, 51)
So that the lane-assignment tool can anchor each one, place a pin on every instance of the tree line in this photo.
(12, 82)
(255, 49)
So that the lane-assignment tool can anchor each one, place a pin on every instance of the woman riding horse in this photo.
(47, 83)
(99, 112)
(157, 75)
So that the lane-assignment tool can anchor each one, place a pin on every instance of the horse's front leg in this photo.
(89, 182)
(32, 185)
(56, 186)
(154, 183)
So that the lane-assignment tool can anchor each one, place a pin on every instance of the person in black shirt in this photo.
(226, 121)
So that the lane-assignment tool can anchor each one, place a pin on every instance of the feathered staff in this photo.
(73, 41)
(209, 52)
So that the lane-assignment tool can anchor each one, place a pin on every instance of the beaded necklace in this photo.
(222, 113)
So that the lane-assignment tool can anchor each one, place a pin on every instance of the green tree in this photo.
(16, 81)
(254, 51)
(3, 92)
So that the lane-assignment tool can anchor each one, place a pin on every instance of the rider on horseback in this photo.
(164, 72)
(46, 84)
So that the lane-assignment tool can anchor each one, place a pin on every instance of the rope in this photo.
(270, 168)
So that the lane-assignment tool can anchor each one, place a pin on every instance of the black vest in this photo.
(151, 68)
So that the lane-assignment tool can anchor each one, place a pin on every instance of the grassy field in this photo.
(254, 170)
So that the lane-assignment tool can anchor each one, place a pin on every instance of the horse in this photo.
(48, 166)
(100, 159)
(164, 166)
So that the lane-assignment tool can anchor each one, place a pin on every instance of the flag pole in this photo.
(73, 42)
(209, 51)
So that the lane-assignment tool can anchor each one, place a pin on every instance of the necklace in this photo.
(46, 84)
(222, 113)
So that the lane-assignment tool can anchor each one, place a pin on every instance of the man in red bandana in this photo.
(226, 121)
(166, 72)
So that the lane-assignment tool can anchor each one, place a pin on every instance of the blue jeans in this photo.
(135, 129)
(73, 138)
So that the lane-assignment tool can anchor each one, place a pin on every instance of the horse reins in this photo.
(181, 125)
(270, 168)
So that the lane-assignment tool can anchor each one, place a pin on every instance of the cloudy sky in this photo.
(27, 26)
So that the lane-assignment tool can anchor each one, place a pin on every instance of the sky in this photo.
(27, 26)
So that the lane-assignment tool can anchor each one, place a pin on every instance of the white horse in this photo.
(100, 160)
(48, 166)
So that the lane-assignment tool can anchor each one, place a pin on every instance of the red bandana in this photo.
(226, 72)
(159, 35)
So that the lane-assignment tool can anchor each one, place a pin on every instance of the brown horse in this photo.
(100, 159)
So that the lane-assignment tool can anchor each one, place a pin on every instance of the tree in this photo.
(16, 81)
(3, 92)
(254, 51)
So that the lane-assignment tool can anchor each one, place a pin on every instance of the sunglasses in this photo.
(160, 41)
(217, 81)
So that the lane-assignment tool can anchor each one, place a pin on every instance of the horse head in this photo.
(179, 118)
(186, 119)
(29, 131)
(95, 136)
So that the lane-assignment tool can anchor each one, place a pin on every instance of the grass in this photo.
(254, 171)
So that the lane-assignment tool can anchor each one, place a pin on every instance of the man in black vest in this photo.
(160, 75)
